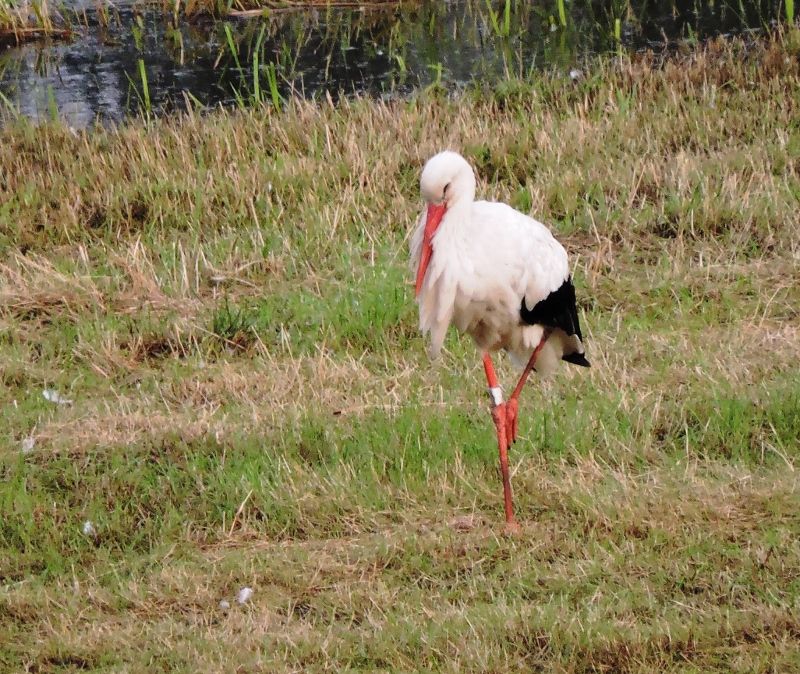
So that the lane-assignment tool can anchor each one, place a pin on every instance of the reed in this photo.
(145, 86)
(30, 20)
(562, 12)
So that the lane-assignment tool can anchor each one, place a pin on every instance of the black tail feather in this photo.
(577, 359)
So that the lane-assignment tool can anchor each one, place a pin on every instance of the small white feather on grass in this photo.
(54, 396)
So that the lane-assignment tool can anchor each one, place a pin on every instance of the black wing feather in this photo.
(557, 310)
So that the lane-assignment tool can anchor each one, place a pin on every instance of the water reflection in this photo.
(388, 53)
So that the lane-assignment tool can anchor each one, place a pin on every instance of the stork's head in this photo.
(446, 180)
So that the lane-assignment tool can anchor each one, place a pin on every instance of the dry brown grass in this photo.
(26, 20)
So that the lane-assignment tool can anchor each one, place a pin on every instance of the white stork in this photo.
(499, 276)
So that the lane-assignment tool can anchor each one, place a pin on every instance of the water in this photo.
(97, 76)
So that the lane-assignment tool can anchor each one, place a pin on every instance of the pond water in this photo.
(139, 60)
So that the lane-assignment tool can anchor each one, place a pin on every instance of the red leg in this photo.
(512, 406)
(499, 416)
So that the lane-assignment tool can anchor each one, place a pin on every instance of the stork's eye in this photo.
(446, 187)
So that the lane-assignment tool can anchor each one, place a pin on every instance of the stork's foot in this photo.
(506, 420)
(512, 420)
(512, 529)
(500, 416)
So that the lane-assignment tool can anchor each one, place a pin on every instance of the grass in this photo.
(31, 20)
(26, 20)
(224, 298)
(272, 7)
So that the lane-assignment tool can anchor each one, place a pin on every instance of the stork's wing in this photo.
(522, 250)
(557, 310)
(546, 294)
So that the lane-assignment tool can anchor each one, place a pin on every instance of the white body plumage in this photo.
(486, 257)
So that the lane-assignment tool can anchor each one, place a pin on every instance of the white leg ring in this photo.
(496, 394)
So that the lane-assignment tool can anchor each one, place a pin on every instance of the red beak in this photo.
(435, 215)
